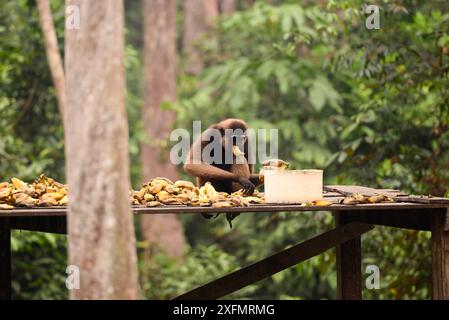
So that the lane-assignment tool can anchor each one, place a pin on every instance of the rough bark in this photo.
(227, 6)
(100, 225)
(198, 16)
(160, 231)
(52, 51)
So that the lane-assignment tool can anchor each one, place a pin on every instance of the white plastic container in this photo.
(293, 186)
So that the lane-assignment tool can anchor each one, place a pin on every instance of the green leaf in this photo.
(317, 96)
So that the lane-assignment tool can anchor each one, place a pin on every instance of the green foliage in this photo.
(39, 263)
(163, 278)
(368, 106)
(31, 142)
(398, 78)
(404, 259)
(27, 147)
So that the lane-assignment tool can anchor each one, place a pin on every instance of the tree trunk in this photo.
(227, 6)
(52, 50)
(198, 16)
(211, 11)
(160, 231)
(101, 232)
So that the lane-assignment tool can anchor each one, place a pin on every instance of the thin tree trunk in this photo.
(160, 58)
(52, 50)
(211, 10)
(101, 232)
(227, 6)
(198, 16)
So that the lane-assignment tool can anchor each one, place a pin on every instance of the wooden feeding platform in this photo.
(351, 221)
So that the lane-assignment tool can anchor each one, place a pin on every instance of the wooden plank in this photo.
(276, 263)
(5, 259)
(330, 194)
(392, 191)
(440, 255)
(396, 196)
(268, 207)
(32, 212)
(286, 207)
(349, 264)
(421, 199)
(349, 189)
(51, 224)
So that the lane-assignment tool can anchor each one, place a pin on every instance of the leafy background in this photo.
(370, 107)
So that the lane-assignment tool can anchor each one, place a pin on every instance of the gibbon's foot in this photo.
(231, 216)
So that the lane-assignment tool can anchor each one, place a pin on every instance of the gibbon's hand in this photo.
(248, 186)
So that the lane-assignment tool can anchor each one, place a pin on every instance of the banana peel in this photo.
(54, 195)
(182, 184)
(24, 200)
(17, 183)
(361, 199)
(64, 201)
(5, 193)
(222, 204)
(153, 204)
(321, 203)
(275, 164)
(5, 206)
(237, 152)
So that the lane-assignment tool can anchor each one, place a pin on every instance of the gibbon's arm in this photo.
(208, 172)
(202, 169)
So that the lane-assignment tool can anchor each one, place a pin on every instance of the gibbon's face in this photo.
(234, 143)
(234, 135)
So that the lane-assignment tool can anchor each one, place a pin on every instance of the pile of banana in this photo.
(46, 192)
(43, 192)
(358, 198)
(161, 191)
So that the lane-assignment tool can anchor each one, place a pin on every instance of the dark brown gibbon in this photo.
(227, 176)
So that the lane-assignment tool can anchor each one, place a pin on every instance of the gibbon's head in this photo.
(234, 134)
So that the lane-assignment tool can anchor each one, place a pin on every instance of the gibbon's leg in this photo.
(242, 170)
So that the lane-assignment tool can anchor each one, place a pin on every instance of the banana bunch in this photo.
(43, 192)
(161, 191)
